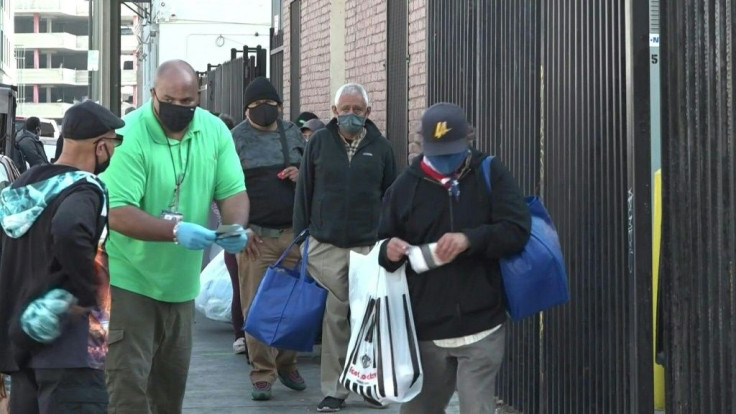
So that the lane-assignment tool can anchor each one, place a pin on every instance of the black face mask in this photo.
(263, 114)
(175, 118)
(100, 167)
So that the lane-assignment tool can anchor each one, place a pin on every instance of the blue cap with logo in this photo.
(444, 130)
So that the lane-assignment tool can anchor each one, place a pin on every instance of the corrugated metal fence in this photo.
(699, 200)
(222, 86)
(547, 87)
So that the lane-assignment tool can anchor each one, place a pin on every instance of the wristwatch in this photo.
(176, 231)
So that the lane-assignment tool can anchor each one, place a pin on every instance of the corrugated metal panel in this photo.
(699, 202)
(547, 87)
(397, 67)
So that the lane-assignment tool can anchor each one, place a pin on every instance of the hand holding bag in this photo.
(287, 310)
(383, 362)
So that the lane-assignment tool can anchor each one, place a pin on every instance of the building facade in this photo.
(51, 48)
(342, 41)
(186, 30)
(7, 34)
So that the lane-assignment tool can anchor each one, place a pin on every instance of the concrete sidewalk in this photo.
(218, 380)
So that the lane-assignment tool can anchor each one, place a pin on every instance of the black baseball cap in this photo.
(87, 120)
(304, 117)
(444, 130)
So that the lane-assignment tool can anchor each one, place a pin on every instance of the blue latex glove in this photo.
(233, 244)
(41, 320)
(193, 236)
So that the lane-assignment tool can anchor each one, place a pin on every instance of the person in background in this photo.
(8, 171)
(54, 302)
(303, 117)
(231, 262)
(458, 307)
(310, 127)
(228, 120)
(30, 144)
(270, 151)
(347, 167)
(177, 158)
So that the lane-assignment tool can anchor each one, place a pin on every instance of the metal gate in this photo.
(699, 200)
(222, 87)
(397, 100)
(549, 87)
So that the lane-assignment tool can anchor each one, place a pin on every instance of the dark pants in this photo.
(231, 261)
(58, 391)
(150, 345)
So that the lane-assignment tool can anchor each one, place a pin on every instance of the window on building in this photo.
(128, 65)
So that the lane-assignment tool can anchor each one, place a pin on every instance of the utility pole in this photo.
(105, 38)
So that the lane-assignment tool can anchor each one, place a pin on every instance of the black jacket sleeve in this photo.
(31, 151)
(388, 227)
(304, 188)
(510, 224)
(74, 231)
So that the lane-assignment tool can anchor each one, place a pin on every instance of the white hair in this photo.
(352, 89)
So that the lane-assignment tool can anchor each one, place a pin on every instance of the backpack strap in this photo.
(486, 171)
(284, 144)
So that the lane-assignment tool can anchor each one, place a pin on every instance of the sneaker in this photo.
(293, 380)
(330, 405)
(239, 346)
(261, 391)
(374, 404)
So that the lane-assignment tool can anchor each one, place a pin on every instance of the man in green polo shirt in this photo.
(176, 159)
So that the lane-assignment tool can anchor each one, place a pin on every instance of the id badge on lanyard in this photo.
(172, 213)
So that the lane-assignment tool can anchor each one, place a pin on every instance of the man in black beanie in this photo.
(270, 151)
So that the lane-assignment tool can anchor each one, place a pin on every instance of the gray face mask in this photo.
(351, 123)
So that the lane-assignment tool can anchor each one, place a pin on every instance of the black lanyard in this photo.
(178, 177)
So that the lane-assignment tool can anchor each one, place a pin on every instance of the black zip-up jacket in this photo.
(32, 148)
(462, 297)
(340, 200)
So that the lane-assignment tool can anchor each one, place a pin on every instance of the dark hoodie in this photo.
(463, 297)
(338, 199)
(52, 219)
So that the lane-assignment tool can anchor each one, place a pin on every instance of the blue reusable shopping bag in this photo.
(287, 310)
(534, 279)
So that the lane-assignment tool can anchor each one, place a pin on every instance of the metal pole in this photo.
(113, 56)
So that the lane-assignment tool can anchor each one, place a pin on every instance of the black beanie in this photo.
(260, 88)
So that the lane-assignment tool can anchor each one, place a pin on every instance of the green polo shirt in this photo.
(143, 174)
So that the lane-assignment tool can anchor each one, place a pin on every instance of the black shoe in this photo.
(330, 405)
(374, 404)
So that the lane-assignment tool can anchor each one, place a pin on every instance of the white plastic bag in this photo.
(383, 362)
(216, 291)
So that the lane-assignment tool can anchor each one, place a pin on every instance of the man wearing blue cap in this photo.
(440, 217)
(54, 306)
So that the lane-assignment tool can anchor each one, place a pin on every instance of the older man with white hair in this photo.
(346, 168)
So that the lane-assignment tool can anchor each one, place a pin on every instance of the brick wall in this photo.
(365, 58)
(285, 26)
(315, 57)
(417, 71)
(365, 50)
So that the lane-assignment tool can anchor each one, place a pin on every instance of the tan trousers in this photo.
(328, 265)
(265, 360)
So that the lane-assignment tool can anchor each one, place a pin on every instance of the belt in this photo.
(267, 232)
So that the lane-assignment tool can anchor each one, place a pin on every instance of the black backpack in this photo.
(17, 156)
